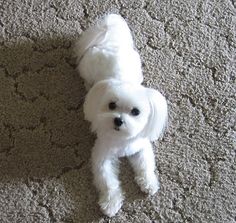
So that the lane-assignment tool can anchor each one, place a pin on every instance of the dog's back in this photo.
(112, 28)
(106, 50)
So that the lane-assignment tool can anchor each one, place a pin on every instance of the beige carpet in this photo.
(188, 49)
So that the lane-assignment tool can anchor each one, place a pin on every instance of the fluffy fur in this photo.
(125, 115)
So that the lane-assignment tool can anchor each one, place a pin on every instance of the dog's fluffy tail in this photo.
(112, 28)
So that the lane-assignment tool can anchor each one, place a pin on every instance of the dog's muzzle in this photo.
(118, 122)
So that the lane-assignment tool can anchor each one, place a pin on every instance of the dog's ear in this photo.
(157, 120)
(93, 99)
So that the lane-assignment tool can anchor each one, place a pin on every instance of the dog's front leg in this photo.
(106, 181)
(143, 164)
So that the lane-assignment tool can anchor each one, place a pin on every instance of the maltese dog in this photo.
(125, 115)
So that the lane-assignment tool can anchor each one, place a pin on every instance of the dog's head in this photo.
(125, 110)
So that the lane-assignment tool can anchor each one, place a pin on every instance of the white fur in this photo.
(111, 66)
(107, 51)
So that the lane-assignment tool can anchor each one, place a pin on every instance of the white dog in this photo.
(125, 115)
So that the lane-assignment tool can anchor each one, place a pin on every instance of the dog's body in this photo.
(125, 115)
(107, 51)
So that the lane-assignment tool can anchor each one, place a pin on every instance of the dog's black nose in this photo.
(118, 122)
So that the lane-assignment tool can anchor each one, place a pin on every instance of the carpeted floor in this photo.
(188, 49)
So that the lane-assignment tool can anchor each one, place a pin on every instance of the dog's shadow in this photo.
(45, 143)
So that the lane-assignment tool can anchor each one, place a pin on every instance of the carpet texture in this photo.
(188, 51)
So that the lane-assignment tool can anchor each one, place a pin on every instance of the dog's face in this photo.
(123, 112)
(120, 110)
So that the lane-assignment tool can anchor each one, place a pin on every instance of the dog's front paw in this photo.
(148, 184)
(111, 202)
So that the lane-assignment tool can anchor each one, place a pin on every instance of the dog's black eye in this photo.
(112, 105)
(135, 112)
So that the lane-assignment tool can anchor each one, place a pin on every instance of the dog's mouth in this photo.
(117, 128)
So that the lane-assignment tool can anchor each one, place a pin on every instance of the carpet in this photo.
(188, 51)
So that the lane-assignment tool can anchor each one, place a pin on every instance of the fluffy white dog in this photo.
(125, 115)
